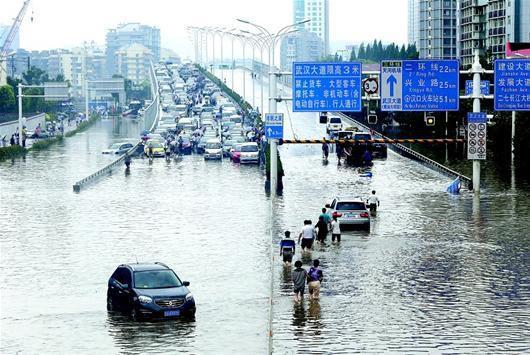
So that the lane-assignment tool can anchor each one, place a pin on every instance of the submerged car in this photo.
(118, 148)
(249, 153)
(158, 148)
(213, 150)
(149, 290)
(349, 212)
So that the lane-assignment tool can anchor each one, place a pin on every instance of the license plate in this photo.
(171, 313)
(352, 215)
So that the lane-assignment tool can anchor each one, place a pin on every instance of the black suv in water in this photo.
(149, 290)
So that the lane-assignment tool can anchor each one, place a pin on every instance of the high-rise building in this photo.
(134, 62)
(413, 28)
(439, 29)
(318, 12)
(126, 35)
(488, 25)
(301, 46)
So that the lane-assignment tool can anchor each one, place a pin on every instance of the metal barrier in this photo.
(377, 140)
(151, 116)
(409, 153)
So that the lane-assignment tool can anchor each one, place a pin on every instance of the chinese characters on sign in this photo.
(512, 84)
(420, 85)
(274, 126)
(321, 86)
(476, 135)
(484, 87)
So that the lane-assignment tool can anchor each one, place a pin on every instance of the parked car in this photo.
(186, 145)
(235, 153)
(118, 148)
(249, 153)
(149, 290)
(349, 212)
(213, 150)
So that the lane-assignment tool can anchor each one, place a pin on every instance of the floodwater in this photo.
(436, 273)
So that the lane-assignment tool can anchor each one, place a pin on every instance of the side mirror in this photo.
(186, 283)
(327, 206)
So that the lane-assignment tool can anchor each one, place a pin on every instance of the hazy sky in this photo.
(67, 23)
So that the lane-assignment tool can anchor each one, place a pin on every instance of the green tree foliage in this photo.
(35, 76)
(375, 52)
(7, 98)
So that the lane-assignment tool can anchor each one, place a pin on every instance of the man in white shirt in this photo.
(307, 235)
(373, 202)
(335, 229)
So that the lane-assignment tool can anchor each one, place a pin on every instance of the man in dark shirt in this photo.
(299, 280)
(287, 248)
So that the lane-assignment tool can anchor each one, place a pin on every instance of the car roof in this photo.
(147, 266)
(250, 143)
(349, 199)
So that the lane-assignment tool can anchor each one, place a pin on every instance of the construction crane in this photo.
(4, 51)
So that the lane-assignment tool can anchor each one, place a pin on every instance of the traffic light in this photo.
(430, 120)
(372, 119)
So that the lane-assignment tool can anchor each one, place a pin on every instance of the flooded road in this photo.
(437, 273)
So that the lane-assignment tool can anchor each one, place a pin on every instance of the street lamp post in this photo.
(273, 107)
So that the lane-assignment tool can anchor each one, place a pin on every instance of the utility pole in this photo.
(476, 69)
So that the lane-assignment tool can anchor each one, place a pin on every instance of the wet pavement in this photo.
(437, 273)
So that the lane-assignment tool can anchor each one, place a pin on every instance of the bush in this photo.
(12, 151)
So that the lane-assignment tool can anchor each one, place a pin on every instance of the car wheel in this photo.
(110, 305)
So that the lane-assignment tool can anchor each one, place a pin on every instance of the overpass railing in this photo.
(150, 118)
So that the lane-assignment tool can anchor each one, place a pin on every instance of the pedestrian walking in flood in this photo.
(307, 235)
(373, 202)
(335, 229)
(127, 161)
(299, 280)
(339, 152)
(314, 279)
(325, 149)
(322, 228)
(326, 217)
(287, 249)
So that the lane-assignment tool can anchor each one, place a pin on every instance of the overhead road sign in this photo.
(512, 85)
(420, 85)
(484, 87)
(476, 135)
(320, 86)
(274, 126)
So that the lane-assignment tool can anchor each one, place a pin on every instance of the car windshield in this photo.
(249, 148)
(350, 206)
(213, 146)
(156, 279)
(115, 146)
(335, 120)
(154, 144)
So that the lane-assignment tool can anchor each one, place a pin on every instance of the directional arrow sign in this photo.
(391, 81)
(274, 126)
(391, 85)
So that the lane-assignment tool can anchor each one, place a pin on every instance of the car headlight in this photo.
(145, 299)
(189, 297)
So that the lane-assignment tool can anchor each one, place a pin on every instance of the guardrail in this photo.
(151, 116)
(412, 154)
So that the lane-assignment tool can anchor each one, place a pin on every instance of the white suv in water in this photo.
(350, 212)
(334, 124)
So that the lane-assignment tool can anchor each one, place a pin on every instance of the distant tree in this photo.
(353, 57)
(35, 76)
(402, 52)
(7, 98)
(362, 52)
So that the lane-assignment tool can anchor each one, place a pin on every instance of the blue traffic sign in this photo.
(484, 87)
(420, 85)
(512, 85)
(274, 126)
(319, 86)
